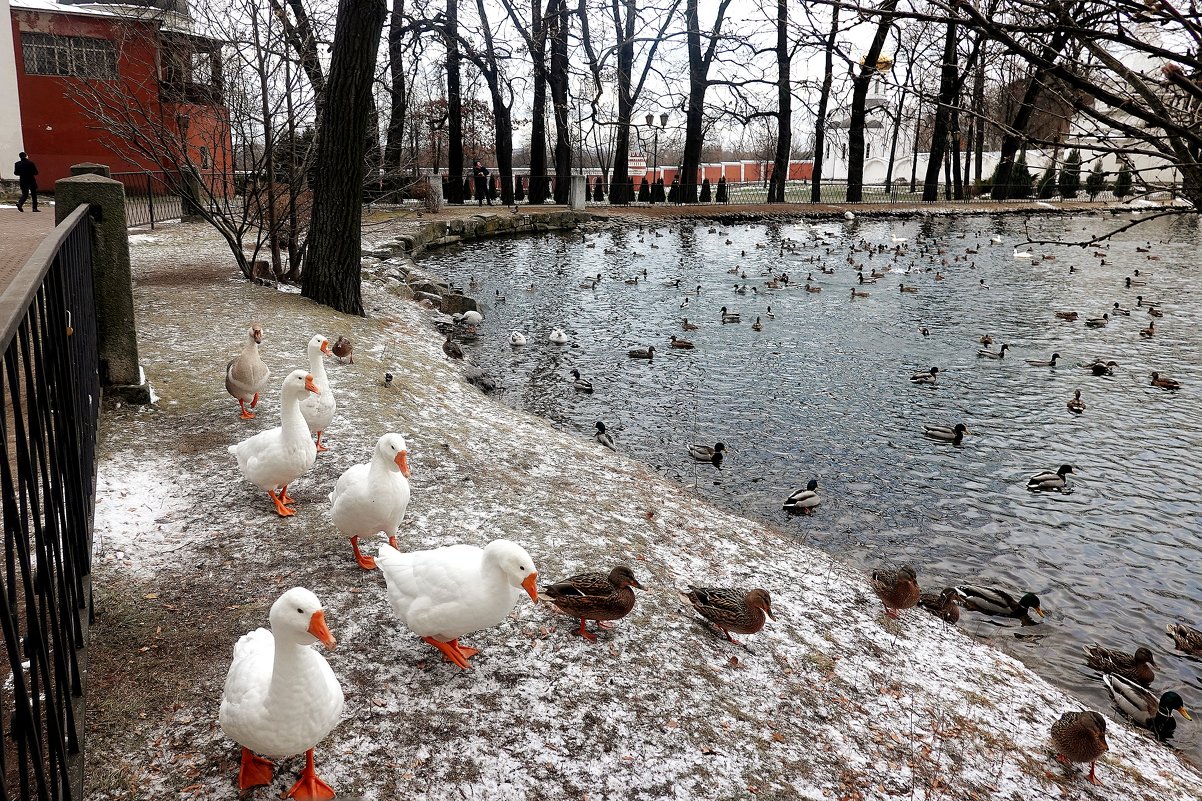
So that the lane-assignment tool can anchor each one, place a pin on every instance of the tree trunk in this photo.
(978, 103)
(558, 34)
(897, 123)
(859, 99)
(824, 99)
(621, 190)
(454, 106)
(699, 67)
(273, 226)
(398, 92)
(335, 235)
(939, 135)
(784, 113)
(538, 120)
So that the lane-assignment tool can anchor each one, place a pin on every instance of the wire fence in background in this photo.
(149, 199)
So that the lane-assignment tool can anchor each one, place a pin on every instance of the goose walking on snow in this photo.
(246, 375)
(372, 498)
(318, 408)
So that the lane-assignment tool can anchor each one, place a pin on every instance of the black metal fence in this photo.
(149, 198)
(50, 395)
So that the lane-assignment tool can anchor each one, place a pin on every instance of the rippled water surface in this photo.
(823, 392)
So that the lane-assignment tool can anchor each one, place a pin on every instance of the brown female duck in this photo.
(1185, 638)
(1137, 667)
(594, 596)
(731, 609)
(1080, 737)
(897, 589)
(942, 605)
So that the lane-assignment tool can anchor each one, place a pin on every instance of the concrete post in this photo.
(116, 335)
(91, 168)
(578, 193)
(434, 199)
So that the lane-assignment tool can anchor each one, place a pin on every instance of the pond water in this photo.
(823, 392)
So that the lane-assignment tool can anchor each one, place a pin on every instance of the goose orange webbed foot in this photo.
(451, 652)
(245, 414)
(365, 562)
(465, 650)
(254, 772)
(280, 508)
(285, 498)
(320, 447)
(309, 787)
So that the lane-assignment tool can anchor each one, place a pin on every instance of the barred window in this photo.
(76, 56)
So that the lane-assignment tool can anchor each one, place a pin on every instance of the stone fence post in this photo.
(434, 199)
(116, 334)
(578, 193)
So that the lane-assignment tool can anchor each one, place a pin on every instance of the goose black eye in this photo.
(300, 611)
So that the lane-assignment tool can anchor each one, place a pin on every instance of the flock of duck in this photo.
(281, 698)
(1077, 736)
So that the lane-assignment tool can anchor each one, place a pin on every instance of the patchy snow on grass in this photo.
(830, 701)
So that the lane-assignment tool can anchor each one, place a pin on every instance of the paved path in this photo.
(20, 235)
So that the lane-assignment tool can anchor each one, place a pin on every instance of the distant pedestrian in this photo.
(27, 171)
(480, 174)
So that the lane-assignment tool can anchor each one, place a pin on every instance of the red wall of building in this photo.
(58, 131)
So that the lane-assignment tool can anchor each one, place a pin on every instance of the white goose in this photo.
(372, 497)
(281, 697)
(246, 376)
(445, 593)
(558, 336)
(318, 408)
(279, 456)
(517, 339)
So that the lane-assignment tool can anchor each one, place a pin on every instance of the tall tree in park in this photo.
(557, 33)
(700, 61)
(627, 20)
(534, 34)
(949, 88)
(861, 83)
(784, 104)
(331, 276)
(450, 37)
(824, 99)
(398, 89)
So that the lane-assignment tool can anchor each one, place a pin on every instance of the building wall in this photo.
(10, 99)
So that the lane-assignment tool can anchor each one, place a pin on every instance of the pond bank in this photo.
(832, 700)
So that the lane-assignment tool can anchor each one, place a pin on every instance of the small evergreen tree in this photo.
(1122, 182)
(1095, 184)
(1047, 184)
(1070, 175)
(1019, 185)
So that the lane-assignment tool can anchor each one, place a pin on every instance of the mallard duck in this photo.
(1071, 316)
(731, 609)
(942, 604)
(857, 294)
(281, 697)
(986, 340)
(1155, 312)
(928, 377)
(275, 458)
(1137, 667)
(729, 317)
(517, 339)
(594, 596)
(642, 353)
(603, 437)
(1143, 707)
(708, 453)
(1098, 322)
(898, 589)
(904, 288)
(558, 337)
(681, 344)
(452, 349)
(1080, 737)
(372, 497)
(812, 288)
(1047, 480)
(1075, 404)
(954, 435)
(805, 500)
(769, 314)
(998, 602)
(1120, 310)
(757, 325)
(1101, 368)
(1129, 282)
(344, 349)
(581, 384)
(1044, 362)
(246, 375)
(445, 593)
(1163, 382)
(1185, 638)
(498, 297)
(993, 354)
(1148, 332)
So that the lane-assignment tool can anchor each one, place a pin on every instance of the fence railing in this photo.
(50, 394)
(149, 198)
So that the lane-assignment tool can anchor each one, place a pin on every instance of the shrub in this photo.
(1095, 184)
(1047, 184)
(1070, 175)
(1122, 182)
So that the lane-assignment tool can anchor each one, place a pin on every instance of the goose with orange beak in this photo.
(273, 459)
(281, 698)
(370, 498)
(318, 409)
(446, 593)
(246, 375)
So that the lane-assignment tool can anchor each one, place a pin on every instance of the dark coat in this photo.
(26, 170)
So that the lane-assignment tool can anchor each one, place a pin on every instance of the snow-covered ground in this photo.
(832, 701)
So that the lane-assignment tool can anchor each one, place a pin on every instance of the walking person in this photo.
(27, 171)
(480, 174)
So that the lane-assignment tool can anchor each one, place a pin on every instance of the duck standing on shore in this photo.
(594, 596)
(731, 609)
(246, 375)
(344, 349)
(1080, 737)
(898, 589)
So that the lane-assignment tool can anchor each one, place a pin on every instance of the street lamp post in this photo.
(663, 123)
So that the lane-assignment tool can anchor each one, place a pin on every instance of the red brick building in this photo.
(128, 86)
